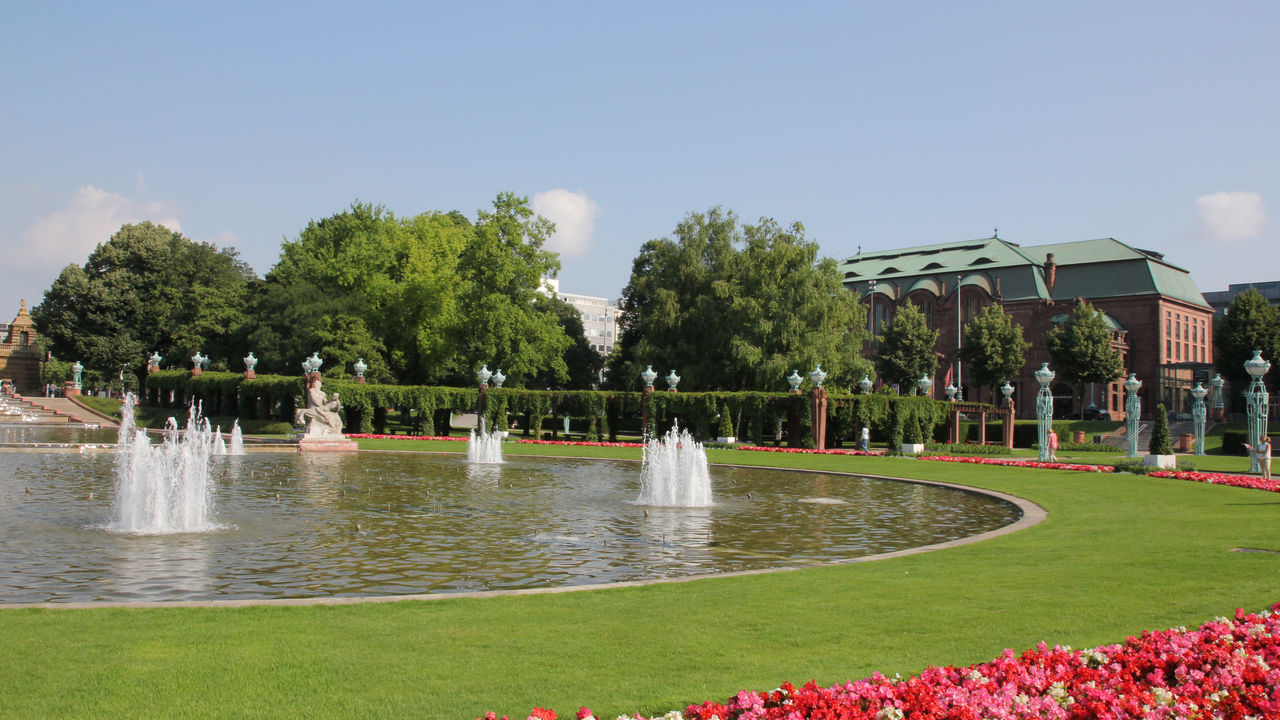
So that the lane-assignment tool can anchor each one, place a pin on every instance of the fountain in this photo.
(237, 439)
(484, 447)
(673, 472)
(219, 445)
(162, 489)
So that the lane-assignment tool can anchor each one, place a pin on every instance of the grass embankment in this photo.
(1118, 554)
(156, 418)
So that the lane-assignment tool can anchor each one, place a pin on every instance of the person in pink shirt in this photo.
(1053, 446)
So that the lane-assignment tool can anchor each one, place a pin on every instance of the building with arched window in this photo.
(19, 352)
(1160, 323)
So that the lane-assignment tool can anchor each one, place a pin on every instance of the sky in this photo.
(875, 125)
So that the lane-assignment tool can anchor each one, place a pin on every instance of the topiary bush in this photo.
(1161, 443)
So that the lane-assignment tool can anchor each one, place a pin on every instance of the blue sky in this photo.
(875, 125)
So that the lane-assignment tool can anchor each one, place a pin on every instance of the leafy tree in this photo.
(733, 306)
(1251, 324)
(907, 349)
(1081, 350)
(147, 288)
(363, 283)
(1160, 443)
(993, 348)
(581, 359)
(500, 271)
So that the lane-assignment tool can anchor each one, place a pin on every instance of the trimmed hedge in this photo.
(598, 414)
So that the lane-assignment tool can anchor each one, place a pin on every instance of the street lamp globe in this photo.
(924, 383)
(817, 376)
(648, 376)
(794, 381)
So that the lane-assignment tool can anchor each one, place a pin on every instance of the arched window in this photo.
(26, 338)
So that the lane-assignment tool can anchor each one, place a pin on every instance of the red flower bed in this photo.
(1244, 481)
(809, 451)
(1021, 463)
(376, 436)
(1228, 668)
(581, 443)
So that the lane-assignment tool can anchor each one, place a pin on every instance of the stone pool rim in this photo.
(1032, 514)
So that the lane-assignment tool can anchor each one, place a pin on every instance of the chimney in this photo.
(1050, 272)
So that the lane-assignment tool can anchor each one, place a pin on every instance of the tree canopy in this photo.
(1251, 324)
(145, 289)
(1081, 349)
(734, 306)
(907, 349)
(993, 349)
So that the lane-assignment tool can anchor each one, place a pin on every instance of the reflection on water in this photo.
(304, 525)
(17, 433)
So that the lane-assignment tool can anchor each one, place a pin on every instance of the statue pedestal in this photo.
(70, 388)
(250, 375)
(327, 444)
(196, 371)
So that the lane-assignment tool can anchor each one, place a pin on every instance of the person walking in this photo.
(865, 442)
(1263, 450)
(1053, 446)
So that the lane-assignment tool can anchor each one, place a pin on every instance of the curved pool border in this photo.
(1032, 514)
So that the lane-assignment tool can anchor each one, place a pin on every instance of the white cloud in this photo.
(574, 215)
(1231, 215)
(67, 236)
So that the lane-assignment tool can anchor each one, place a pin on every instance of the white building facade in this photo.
(599, 316)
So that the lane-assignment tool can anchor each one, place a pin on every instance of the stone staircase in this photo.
(47, 411)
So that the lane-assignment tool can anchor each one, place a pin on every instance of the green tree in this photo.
(993, 348)
(364, 283)
(500, 276)
(581, 359)
(907, 349)
(1251, 323)
(1081, 350)
(733, 306)
(147, 288)
(1160, 443)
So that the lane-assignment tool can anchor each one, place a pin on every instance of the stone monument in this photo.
(321, 419)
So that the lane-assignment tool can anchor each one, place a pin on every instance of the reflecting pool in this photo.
(298, 525)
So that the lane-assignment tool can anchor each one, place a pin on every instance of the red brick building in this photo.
(1160, 322)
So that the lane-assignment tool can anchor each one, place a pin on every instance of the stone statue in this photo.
(321, 414)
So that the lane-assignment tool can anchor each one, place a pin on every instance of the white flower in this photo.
(1058, 691)
(673, 715)
(1163, 696)
(889, 712)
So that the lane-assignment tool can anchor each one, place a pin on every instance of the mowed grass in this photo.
(1118, 554)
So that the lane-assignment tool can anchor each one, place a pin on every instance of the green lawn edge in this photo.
(1118, 554)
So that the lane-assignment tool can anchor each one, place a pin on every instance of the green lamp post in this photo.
(1198, 415)
(1132, 407)
(1044, 408)
(1255, 404)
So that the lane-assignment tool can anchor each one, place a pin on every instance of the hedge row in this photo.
(753, 416)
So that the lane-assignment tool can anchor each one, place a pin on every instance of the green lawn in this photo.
(1118, 553)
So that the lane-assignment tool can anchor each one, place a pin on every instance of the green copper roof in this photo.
(1090, 268)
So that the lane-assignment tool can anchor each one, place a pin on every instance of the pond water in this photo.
(364, 524)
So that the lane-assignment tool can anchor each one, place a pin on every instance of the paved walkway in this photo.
(67, 410)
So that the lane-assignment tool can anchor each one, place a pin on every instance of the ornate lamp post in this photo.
(483, 375)
(1198, 415)
(672, 381)
(648, 376)
(951, 392)
(1255, 403)
(499, 378)
(1218, 406)
(1044, 408)
(817, 376)
(924, 383)
(1132, 407)
(360, 366)
(794, 381)
(865, 384)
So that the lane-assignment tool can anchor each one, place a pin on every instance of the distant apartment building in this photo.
(1220, 300)
(599, 315)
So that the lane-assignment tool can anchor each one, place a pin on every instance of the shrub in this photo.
(967, 449)
(726, 423)
(1233, 443)
(1160, 443)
